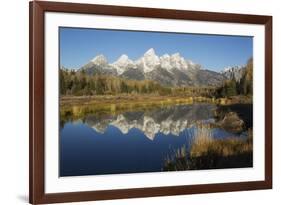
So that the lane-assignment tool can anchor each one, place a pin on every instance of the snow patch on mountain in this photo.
(165, 62)
(123, 63)
(178, 62)
(99, 60)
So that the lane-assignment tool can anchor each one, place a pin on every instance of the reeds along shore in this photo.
(207, 152)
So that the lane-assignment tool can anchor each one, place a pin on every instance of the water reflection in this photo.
(132, 142)
(171, 120)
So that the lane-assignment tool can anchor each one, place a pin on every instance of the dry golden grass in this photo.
(206, 152)
(204, 144)
(75, 107)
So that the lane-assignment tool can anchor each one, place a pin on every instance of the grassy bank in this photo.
(79, 106)
(124, 98)
(206, 152)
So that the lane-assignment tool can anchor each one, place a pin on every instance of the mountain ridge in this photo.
(168, 69)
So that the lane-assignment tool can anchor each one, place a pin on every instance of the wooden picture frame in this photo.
(37, 11)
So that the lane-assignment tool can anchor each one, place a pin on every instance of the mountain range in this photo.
(168, 70)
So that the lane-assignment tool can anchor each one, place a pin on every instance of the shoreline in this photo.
(76, 107)
(115, 99)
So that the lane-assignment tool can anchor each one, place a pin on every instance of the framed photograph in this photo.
(139, 102)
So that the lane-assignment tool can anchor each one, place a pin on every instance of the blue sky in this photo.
(79, 45)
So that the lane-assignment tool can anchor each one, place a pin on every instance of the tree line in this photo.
(78, 83)
(244, 86)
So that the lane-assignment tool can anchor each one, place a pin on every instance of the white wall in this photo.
(14, 100)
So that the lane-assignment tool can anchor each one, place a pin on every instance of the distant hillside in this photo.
(235, 72)
(239, 82)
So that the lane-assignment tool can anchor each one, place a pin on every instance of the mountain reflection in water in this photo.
(130, 142)
(171, 120)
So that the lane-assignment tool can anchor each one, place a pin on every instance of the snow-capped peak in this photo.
(176, 55)
(150, 51)
(122, 64)
(149, 61)
(177, 61)
(123, 59)
(99, 60)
